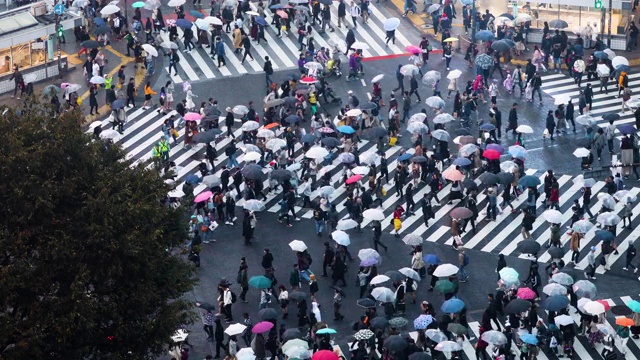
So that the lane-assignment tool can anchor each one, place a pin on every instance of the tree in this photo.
(86, 266)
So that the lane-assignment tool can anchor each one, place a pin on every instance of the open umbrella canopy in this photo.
(509, 275)
(445, 270)
(297, 295)
(422, 321)
(410, 273)
(379, 322)
(431, 76)
(517, 306)
(582, 226)
(298, 245)
(448, 346)
(485, 35)
(562, 279)
(347, 224)
(435, 102)
(526, 293)
(379, 279)
(558, 24)
(363, 334)
(461, 213)
(445, 287)
(553, 289)
(555, 303)
(412, 239)
(366, 303)
(268, 314)
(260, 282)
(453, 174)
(553, 216)
(395, 343)
(529, 247)
(383, 294)
(585, 289)
(327, 331)
(373, 214)
(261, 327)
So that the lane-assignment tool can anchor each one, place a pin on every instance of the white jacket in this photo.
(227, 297)
(354, 11)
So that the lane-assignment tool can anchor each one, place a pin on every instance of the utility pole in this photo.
(58, 10)
(609, 28)
(473, 26)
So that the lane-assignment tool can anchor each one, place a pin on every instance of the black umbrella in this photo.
(621, 310)
(395, 276)
(206, 306)
(292, 119)
(398, 322)
(268, 314)
(507, 15)
(419, 356)
(366, 303)
(419, 159)
(376, 132)
(500, 46)
(90, 44)
(488, 178)
(505, 178)
(395, 343)
(252, 172)
(281, 174)
(556, 252)
(118, 104)
(297, 295)
(326, 2)
(378, 322)
(330, 142)
(469, 184)
(212, 111)
(613, 117)
(290, 334)
(290, 100)
(101, 30)
(529, 247)
(517, 306)
(368, 106)
(583, 142)
(462, 131)
(307, 138)
(207, 136)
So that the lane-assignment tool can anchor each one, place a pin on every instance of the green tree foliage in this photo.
(86, 264)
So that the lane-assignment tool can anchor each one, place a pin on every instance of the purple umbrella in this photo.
(627, 129)
(262, 327)
(495, 147)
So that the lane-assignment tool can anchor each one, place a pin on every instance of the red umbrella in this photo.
(308, 80)
(605, 304)
(353, 179)
(324, 355)
(491, 154)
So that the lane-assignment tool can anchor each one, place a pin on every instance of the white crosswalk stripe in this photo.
(283, 51)
(603, 103)
(502, 235)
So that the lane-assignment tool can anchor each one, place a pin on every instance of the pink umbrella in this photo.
(413, 49)
(203, 197)
(64, 85)
(353, 179)
(526, 294)
(261, 327)
(326, 130)
(452, 174)
(282, 14)
(324, 355)
(192, 116)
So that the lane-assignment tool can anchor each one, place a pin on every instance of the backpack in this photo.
(137, 26)
(308, 258)
(234, 297)
(465, 260)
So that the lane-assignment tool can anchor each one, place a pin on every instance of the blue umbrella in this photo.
(627, 129)
(622, 68)
(431, 259)
(99, 21)
(487, 127)
(292, 119)
(603, 235)
(485, 35)
(611, 116)
(462, 162)
(467, 2)
(192, 179)
(404, 157)
(555, 303)
(196, 14)
(276, 6)
(261, 21)
(529, 339)
(346, 129)
(452, 306)
(138, 4)
(529, 181)
(600, 55)
(184, 24)
(307, 138)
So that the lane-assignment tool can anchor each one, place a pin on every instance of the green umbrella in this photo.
(445, 286)
(138, 4)
(326, 331)
(634, 306)
(260, 282)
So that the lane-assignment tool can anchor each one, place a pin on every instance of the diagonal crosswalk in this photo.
(502, 235)
(283, 51)
(603, 103)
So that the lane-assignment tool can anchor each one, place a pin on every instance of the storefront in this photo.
(27, 39)
(577, 15)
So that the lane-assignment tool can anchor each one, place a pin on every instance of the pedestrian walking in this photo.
(463, 261)
(243, 279)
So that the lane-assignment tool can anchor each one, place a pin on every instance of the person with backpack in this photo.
(228, 298)
(463, 261)
(623, 334)
(607, 247)
(610, 133)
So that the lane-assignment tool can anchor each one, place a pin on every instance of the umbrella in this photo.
(110, 134)
(422, 321)
(529, 181)
(260, 282)
(518, 152)
(555, 303)
(521, 18)
(360, 170)
(581, 152)
(192, 179)
(396, 276)
(383, 294)
(435, 102)
(410, 273)
(448, 346)
(450, 39)
(236, 329)
(265, 133)
(341, 237)
(309, 138)
(409, 70)
(594, 308)
(556, 252)
(368, 255)
(196, 14)
(366, 303)
(293, 344)
(558, 24)
(90, 44)
(391, 24)
(453, 174)
(360, 46)
(509, 275)
(268, 314)
(529, 247)
(246, 354)
(281, 174)
(461, 213)
(619, 60)
(275, 144)
(443, 118)
(624, 321)
(203, 197)
(169, 45)
(398, 322)
(297, 295)
(353, 179)
(441, 135)
(445, 270)
(192, 116)
(553, 289)
(582, 226)
(368, 106)
(324, 355)
(298, 246)
(419, 159)
(405, 157)
(505, 178)
(379, 322)
(445, 287)
(175, 3)
(488, 178)
(627, 129)
(464, 140)
(138, 4)
(529, 339)
(378, 77)
(379, 279)
(346, 224)
(433, 8)
(553, 216)
(346, 129)
(457, 329)
(494, 337)
(585, 120)
(261, 327)
(207, 136)
(376, 132)
(412, 239)
(585, 289)
(413, 49)
(609, 117)
(491, 154)
(610, 53)
(317, 152)
(517, 306)
(562, 279)
(467, 149)
(526, 293)
(452, 306)
(603, 235)
(608, 218)
(431, 76)
(395, 343)
(621, 310)
(101, 30)
(328, 331)
(363, 334)
(346, 158)
(524, 129)
(454, 74)
(184, 23)
(109, 10)
(485, 35)
(501, 46)
(250, 125)
(634, 305)
(53, 89)
(624, 196)
(373, 214)
(484, 61)
(435, 335)
(563, 320)
(462, 162)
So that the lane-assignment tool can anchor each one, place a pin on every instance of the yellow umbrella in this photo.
(451, 39)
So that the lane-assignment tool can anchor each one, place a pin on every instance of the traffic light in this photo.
(598, 4)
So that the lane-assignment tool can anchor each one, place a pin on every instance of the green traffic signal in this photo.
(598, 4)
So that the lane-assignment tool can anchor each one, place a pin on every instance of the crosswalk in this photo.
(563, 85)
(283, 51)
(500, 236)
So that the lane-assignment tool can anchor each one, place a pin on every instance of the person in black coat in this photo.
(219, 337)
(350, 39)
(513, 119)
(229, 120)
(550, 123)
(568, 115)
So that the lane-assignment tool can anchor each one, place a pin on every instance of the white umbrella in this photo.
(561, 99)
(29, 78)
(169, 45)
(317, 152)
(325, 169)
(594, 308)
(607, 201)
(410, 273)
(383, 294)
(581, 152)
(409, 70)
(379, 279)
(95, 80)
(610, 53)
(327, 191)
(444, 270)
(213, 20)
(563, 320)
(298, 246)
(354, 112)
(360, 170)
(523, 18)
(373, 214)
(377, 78)
(442, 118)
(619, 60)
(313, 65)
(624, 196)
(250, 125)
(359, 46)
(346, 224)
(150, 49)
(245, 354)
(71, 88)
(174, 3)
(431, 77)
(435, 102)
(449, 346)
(602, 70)
(586, 120)
(340, 236)
(265, 133)
(110, 134)
(417, 127)
(608, 218)
(252, 156)
(433, 8)
(275, 144)
(254, 204)
(524, 129)
(202, 24)
(391, 24)
(109, 10)
(412, 239)
(369, 158)
(454, 74)
(235, 329)
(509, 166)
(553, 216)
(553, 289)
